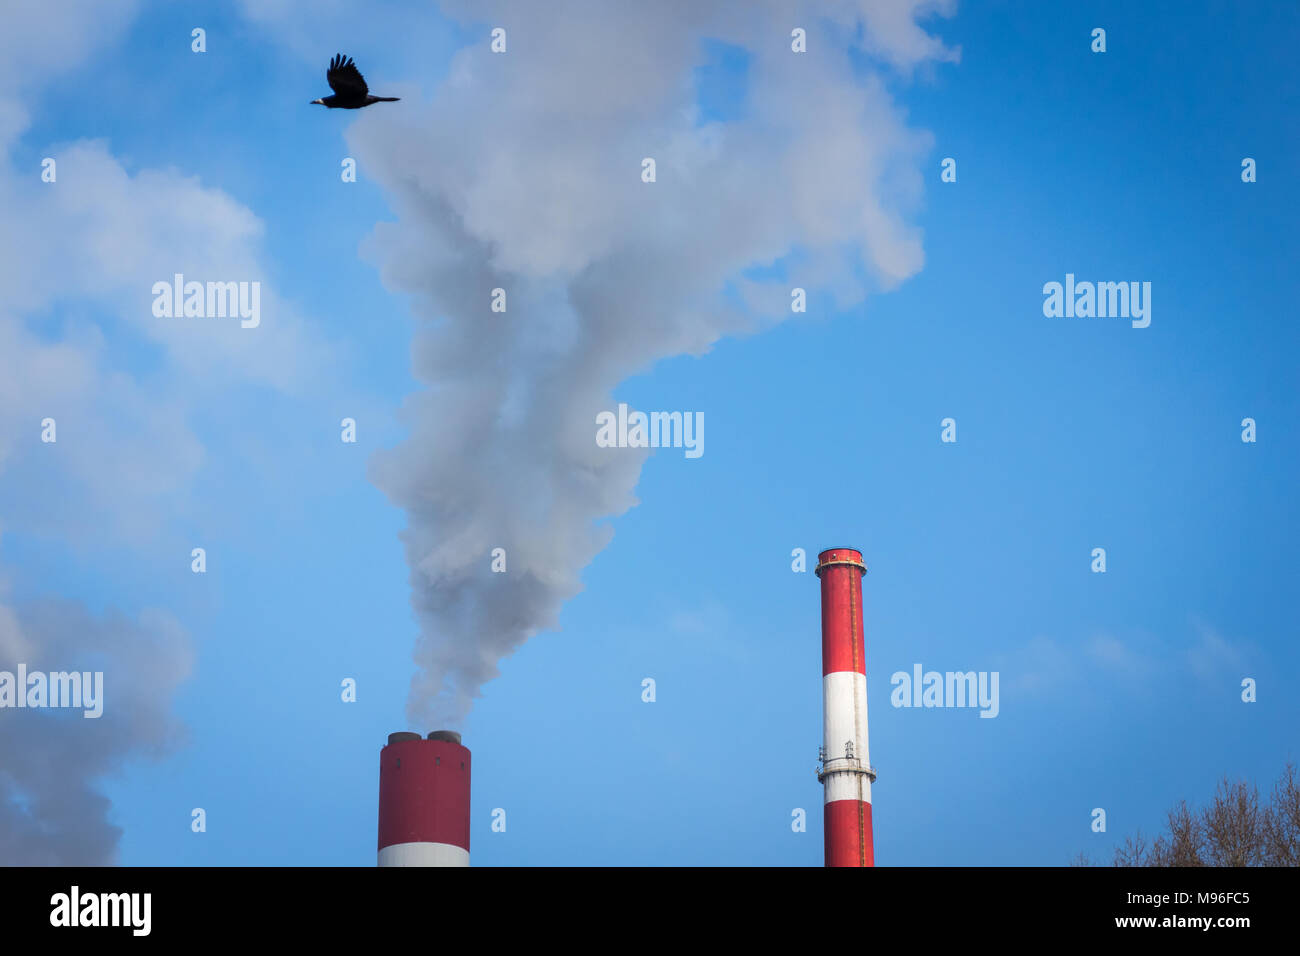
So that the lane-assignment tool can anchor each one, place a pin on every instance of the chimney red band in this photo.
(841, 571)
(424, 793)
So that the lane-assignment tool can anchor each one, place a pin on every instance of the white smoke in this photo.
(524, 173)
(52, 812)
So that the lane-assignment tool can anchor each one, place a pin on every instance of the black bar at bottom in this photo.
(333, 905)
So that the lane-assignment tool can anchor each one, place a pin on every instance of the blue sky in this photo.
(1118, 690)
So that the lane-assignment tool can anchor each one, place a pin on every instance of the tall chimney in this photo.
(424, 800)
(845, 768)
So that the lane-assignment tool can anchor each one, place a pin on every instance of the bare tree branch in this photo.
(1234, 830)
(1232, 825)
(1282, 824)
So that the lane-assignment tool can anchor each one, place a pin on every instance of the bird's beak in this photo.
(314, 102)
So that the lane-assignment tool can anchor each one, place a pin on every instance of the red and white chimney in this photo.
(424, 800)
(845, 770)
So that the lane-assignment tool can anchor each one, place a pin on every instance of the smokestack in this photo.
(424, 800)
(845, 769)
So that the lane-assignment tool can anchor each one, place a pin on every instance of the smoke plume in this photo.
(52, 812)
(524, 173)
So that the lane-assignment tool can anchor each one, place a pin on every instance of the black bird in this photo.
(349, 86)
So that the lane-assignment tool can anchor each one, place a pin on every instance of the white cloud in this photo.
(1213, 658)
(1045, 663)
(78, 259)
(100, 233)
(1115, 655)
(42, 40)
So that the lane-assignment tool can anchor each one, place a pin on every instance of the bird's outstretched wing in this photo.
(344, 78)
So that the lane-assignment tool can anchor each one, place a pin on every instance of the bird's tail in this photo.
(387, 99)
